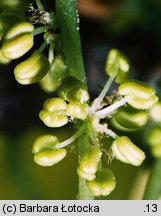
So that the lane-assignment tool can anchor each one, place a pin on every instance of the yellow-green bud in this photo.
(49, 158)
(154, 136)
(56, 73)
(103, 184)
(32, 69)
(117, 64)
(73, 90)
(88, 163)
(44, 143)
(124, 150)
(4, 60)
(156, 151)
(55, 104)
(53, 120)
(129, 119)
(137, 89)
(77, 94)
(155, 112)
(142, 103)
(77, 110)
(17, 40)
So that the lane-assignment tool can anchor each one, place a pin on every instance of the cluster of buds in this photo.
(17, 38)
(127, 112)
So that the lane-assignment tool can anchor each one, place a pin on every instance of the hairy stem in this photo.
(67, 18)
(153, 188)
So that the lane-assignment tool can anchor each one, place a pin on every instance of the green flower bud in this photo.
(136, 88)
(155, 112)
(124, 150)
(17, 40)
(156, 151)
(117, 64)
(44, 143)
(55, 104)
(154, 136)
(53, 120)
(129, 119)
(103, 184)
(77, 110)
(32, 69)
(56, 73)
(73, 90)
(49, 158)
(4, 60)
(77, 94)
(88, 163)
(142, 103)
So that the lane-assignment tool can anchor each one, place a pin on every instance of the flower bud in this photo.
(49, 158)
(77, 94)
(142, 103)
(103, 184)
(56, 73)
(33, 69)
(156, 151)
(53, 120)
(55, 104)
(137, 89)
(155, 112)
(154, 136)
(4, 60)
(124, 150)
(77, 110)
(44, 143)
(73, 90)
(88, 163)
(117, 64)
(129, 119)
(17, 40)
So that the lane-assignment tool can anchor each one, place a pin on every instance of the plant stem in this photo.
(110, 109)
(153, 188)
(39, 5)
(97, 101)
(67, 18)
(39, 30)
(71, 139)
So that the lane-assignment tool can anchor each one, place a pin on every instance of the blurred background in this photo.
(132, 26)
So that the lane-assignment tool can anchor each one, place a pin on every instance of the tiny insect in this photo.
(109, 99)
(37, 16)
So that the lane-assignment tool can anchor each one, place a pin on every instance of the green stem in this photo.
(39, 30)
(67, 18)
(153, 188)
(39, 5)
(97, 101)
(71, 139)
